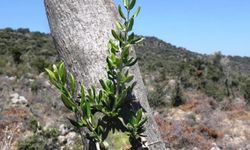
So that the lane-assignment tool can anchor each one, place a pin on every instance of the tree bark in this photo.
(81, 30)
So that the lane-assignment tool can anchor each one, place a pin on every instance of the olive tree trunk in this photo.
(81, 30)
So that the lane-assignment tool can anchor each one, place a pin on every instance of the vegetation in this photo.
(40, 139)
(177, 97)
(246, 90)
(23, 52)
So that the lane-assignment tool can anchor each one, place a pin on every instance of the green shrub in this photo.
(40, 139)
(35, 142)
(214, 90)
(16, 54)
(177, 98)
(155, 100)
(39, 64)
(246, 90)
(36, 86)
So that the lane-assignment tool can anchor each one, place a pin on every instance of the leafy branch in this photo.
(102, 111)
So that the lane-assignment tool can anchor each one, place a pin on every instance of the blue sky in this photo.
(203, 26)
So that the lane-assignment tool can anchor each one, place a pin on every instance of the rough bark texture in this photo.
(81, 30)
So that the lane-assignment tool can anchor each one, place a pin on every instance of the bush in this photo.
(177, 98)
(39, 64)
(16, 54)
(246, 90)
(214, 90)
(41, 139)
(155, 100)
(35, 142)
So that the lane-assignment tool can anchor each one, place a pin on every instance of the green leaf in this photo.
(114, 48)
(121, 13)
(115, 35)
(88, 110)
(139, 115)
(110, 86)
(137, 40)
(51, 74)
(133, 122)
(74, 123)
(103, 84)
(115, 60)
(55, 70)
(140, 131)
(130, 128)
(121, 99)
(83, 98)
(100, 96)
(83, 122)
(132, 4)
(137, 12)
(94, 92)
(131, 62)
(110, 63)
(125, 52)
(68, 103)
(130, 78)
(119, 25)
(72, 83)
(131, 37)
(90, 95)
(131, 24)
(62, 72)
(125, 3)
(141, 123)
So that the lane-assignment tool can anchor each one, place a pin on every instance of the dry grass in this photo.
(201, 122)
(8, 137)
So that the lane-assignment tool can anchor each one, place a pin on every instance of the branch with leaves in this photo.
(102, 111)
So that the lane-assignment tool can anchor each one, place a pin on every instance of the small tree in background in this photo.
(177, 98)
(246, 90)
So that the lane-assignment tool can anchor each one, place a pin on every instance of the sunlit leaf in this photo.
(125, 3)
(132, 4)
(72, 83)
(121, 13)
(137, 12)
(68, 103)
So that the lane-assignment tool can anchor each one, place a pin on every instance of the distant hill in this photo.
(163, 50)
(25, 52)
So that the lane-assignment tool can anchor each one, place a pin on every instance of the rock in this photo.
(172, 83)
(31, 80)
(71, 138)
(41, 75)
(248, 146)
(10, 78)
(17, 99)
(64, 129)
(62, 139)
(68, 139)
(47, 84)
(215, 147)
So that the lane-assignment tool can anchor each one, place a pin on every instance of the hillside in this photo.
(189, 92)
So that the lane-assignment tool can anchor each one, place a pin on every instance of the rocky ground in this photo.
(30, 107)
(203, 123)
